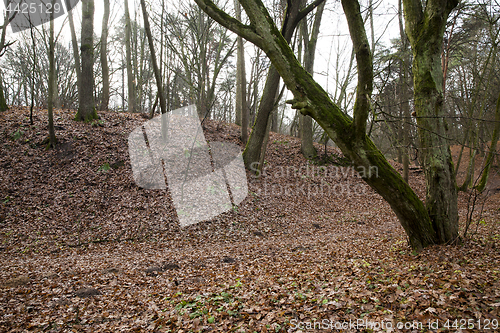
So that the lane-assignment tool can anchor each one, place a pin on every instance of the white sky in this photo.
(333, 41)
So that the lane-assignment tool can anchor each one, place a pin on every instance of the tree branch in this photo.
(364, 61)
(303, 13)
(229, 22)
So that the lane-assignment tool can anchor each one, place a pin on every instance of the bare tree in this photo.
(242, 113)
(104, 58)
(52, 83)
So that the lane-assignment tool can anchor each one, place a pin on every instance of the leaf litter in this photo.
(84, 249)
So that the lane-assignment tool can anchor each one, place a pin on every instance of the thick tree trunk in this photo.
(104, 58)
(86, 110)
(425, 29)
(252, 151)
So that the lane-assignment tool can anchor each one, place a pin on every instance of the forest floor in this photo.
(83, 249)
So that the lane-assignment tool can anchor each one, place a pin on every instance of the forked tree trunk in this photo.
(251, 154)
(423, 225)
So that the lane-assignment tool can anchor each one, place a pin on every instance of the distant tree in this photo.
(104, 58)
(128, 61)
(86, 109)
(242, 113)
(310, 40)
(52, 82)
(295, 12)
(74, 44)
(3, 46)
(203, 49)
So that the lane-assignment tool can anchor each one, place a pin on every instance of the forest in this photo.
(250, 165)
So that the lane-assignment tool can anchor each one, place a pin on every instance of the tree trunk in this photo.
(52, 84)
(159, 83)
(86, 110)
(74, 43)
(425, 29)
(241, 83)
(404, 94)
(492, 151)
(3, 102)
(130, 73)
(104, 58)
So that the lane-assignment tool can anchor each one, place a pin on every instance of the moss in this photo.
(86, 116)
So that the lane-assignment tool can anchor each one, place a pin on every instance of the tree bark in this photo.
(52, 84)
(74, 43)
(104, 58)
(242, 112)
(348, 134)
(3, 102)
(159, 83)
(425, 30)
(86, 110)
(404, 95)
(492, 150)
(128, 52)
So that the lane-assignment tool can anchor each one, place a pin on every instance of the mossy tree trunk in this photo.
(86, 110)
(425, 29)
(349, 134)
(74, 43)
(492, 150)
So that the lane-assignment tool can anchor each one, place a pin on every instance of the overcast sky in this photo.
(334, 39)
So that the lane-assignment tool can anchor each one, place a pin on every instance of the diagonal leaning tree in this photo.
(435, 222)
